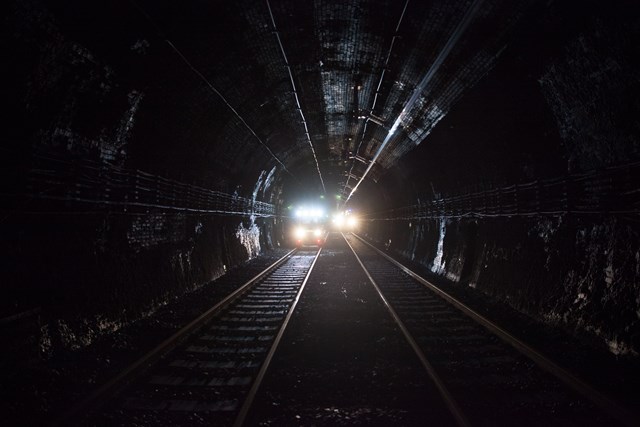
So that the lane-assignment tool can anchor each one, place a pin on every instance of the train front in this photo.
(310, 227)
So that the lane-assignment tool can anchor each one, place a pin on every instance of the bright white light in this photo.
(317, 232)
(299, 232)
(352, 221)
(312, 213)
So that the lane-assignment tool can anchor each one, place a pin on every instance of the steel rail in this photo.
(99, 397)
(611, 407)
(246, 406)
(450, 402)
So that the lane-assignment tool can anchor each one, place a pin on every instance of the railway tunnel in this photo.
(155, 149)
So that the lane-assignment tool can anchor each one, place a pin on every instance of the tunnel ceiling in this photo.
(327, 91)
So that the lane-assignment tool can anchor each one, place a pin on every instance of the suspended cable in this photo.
(375, 98)
(295, 94)
(211, 86)
(444, 53)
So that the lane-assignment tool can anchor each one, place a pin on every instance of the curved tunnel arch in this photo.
(510, 159)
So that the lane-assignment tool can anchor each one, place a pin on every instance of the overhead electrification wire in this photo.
(444, 53)
(375, 98)
(217, 92)
(295, 94)
(210, 86)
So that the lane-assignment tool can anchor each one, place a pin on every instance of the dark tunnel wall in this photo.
(128, 181)
(560, 120)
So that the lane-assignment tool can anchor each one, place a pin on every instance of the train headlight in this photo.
(352, 222)
(317, 232)
(299, 233)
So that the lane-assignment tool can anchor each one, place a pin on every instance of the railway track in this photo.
(208, 372)
(486, 377)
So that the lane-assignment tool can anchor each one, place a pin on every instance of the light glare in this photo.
(299, 233)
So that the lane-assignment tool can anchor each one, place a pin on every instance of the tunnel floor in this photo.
(343, 360)
(340, 362)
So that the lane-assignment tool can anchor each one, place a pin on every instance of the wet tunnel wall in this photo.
(520, 192)
(112, 208)
(128, 181)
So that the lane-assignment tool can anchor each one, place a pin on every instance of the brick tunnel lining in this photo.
(84, 94)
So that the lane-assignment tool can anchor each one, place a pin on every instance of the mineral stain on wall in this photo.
(249, 238)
